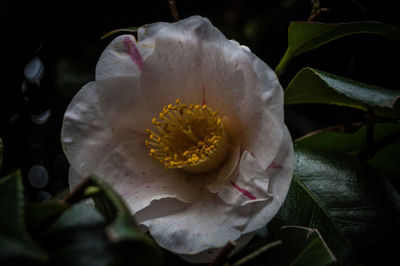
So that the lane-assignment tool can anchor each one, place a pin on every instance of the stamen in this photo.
(190, 137)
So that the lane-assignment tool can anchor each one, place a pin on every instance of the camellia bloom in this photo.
(188, 127)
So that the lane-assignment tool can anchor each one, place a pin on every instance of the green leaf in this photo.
(307, 36)
(39, 215)
(130, 29)
(300, 246)
(122, 227)
(385, 159)
(77, 238)
(345, 199)
(315, 86)
(15, 242)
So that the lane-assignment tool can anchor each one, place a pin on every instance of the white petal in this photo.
(146, 35)
(193, 61)
(249, 183)
(140, 180)
(280, 175)
(226, 170)
(74, 178)
(102, 115)
(122, 57)
(206, 224)
(263, 107)
(171, 71)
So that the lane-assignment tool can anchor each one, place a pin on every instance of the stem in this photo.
(223, 254)
(174, 11)
(78, 193)
(257, 253)
(281, 67)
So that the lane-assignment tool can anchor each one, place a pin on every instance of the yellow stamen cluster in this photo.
(190, 137)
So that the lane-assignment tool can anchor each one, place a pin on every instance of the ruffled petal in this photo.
(279, 174)
(102, 115)
(146, 35)
(122, 57)
(251, 183)
(205, 224)
(261, 111)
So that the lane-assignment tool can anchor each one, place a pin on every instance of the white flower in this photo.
(215, 165)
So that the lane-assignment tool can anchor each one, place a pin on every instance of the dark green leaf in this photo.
(108, 34)
(347, 200)
(307, 36)
(77, 238)
(15, 242)
(315, 86)
(300, 246)
(385, 159)
(39, 215)
(122, 227)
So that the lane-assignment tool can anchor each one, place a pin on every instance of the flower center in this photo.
(190, 137)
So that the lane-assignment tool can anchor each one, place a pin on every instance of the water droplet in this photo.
(33, 71)
(38, 176)
(41, 118)
(43, 196)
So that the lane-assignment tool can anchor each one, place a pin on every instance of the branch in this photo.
(174, 11)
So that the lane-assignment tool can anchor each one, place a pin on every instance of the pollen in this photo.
(189, 137)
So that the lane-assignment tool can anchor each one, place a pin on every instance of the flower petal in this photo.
(279, 173)
(140, 180)
(206, 224)
(122, 57)
(102, 115)
(171, 71)
(194, 61)
(73, 178)
(251, 183)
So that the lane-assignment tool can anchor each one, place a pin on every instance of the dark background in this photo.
(65, 35)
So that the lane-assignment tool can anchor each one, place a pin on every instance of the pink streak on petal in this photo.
(245, 192)
(274, 166)
(133, 52)
(204, 95)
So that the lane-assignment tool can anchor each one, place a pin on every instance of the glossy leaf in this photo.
(77, 238)
(122, 227)
(345, 199)
(15, 242)
(108, 34)
(307, 36)
(385, 159)
(301, 246)
(315, 86)
(40, 215)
